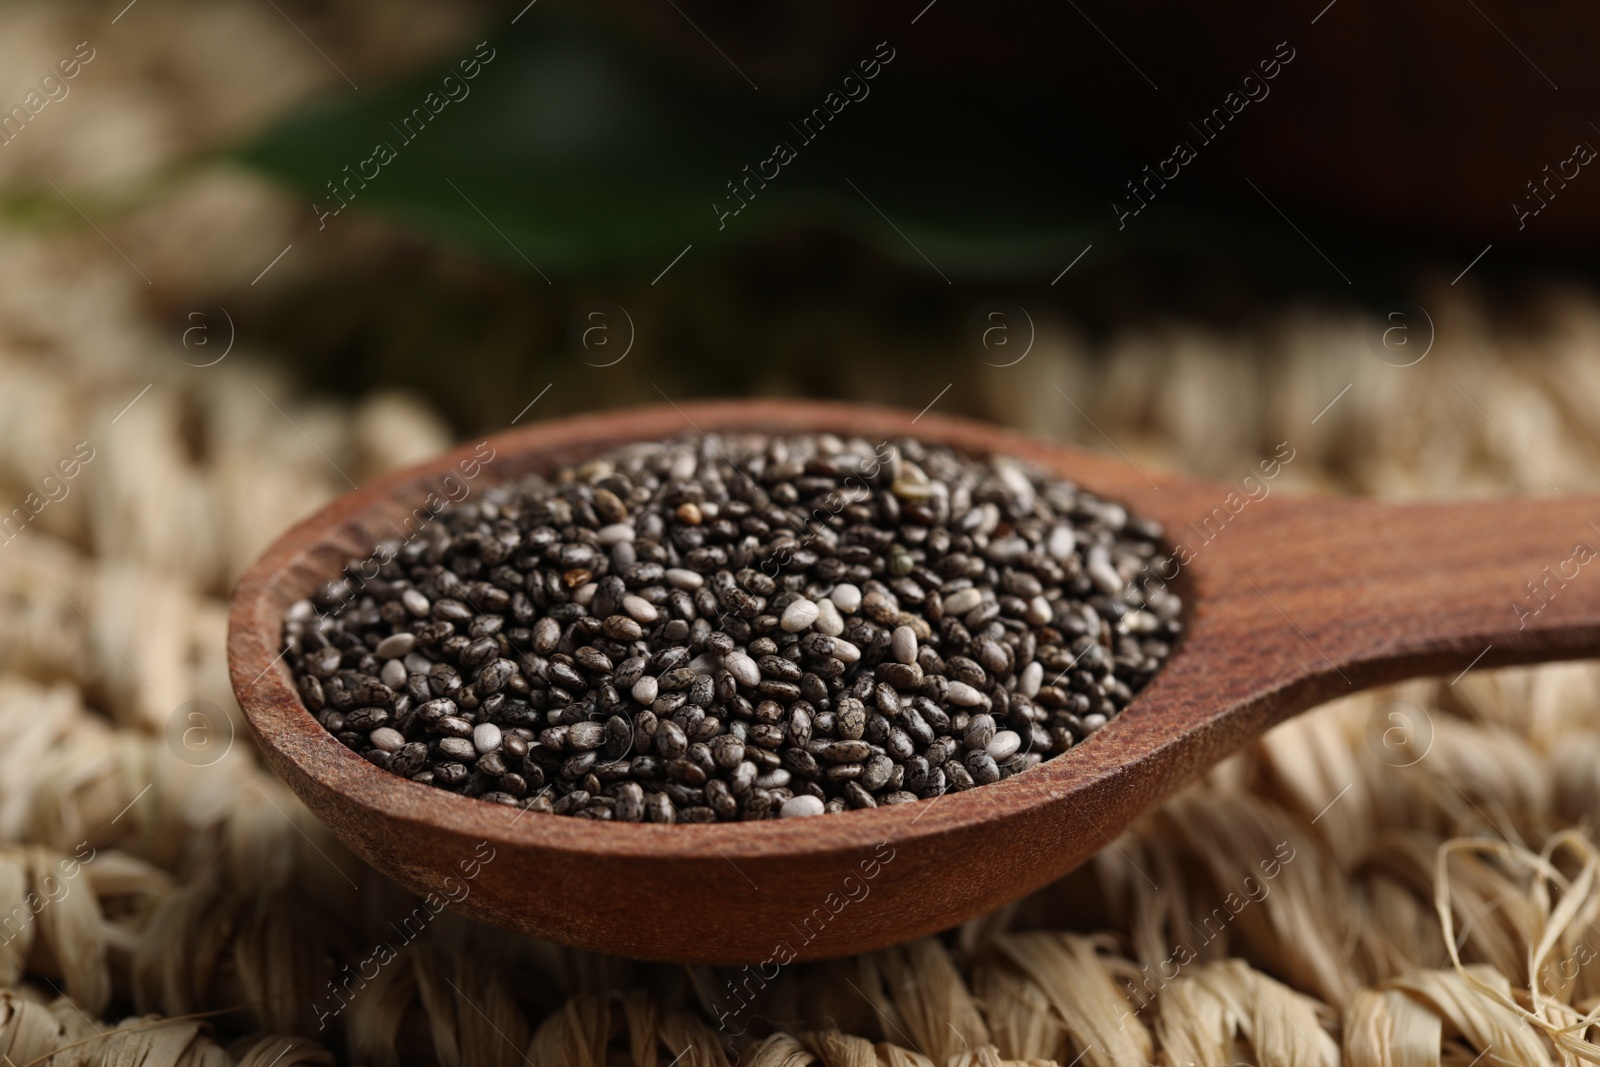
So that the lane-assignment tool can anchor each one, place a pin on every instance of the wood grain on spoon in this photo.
(1291, 602)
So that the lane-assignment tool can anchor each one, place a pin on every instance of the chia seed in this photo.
(740, 627)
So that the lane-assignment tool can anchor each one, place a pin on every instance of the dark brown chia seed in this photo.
(740, 627)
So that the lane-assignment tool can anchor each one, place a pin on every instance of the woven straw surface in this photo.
(1311, 902)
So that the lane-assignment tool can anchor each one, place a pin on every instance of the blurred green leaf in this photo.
(575, 152)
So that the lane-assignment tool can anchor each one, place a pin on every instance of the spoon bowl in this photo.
(1290, 601)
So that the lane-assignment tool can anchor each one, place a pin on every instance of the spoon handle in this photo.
(1343, 594)
(1295, 602)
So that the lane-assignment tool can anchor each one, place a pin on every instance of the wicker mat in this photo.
(1315, 899)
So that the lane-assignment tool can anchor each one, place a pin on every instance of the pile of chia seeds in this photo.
(739, 627)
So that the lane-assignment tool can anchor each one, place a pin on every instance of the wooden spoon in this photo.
(1291, 601)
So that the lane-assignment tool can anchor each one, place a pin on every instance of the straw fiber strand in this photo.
(1310, 903)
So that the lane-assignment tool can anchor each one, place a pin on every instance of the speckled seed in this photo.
(845, 751)
(1032, 678)
(743, 668)
(846, 597)
(546, 634)
(486, 737)
(684, 579)
(1138, 622)
(799, 615)
(1101, 572)
(852, 719)
(387, 739)
(800, 807)
(323, 662)
(857, 797)
(585, 736)
(1016, 481)
(630, 802)
(980, 731)
(670, 742)
(1004, 745)
(645, 689)
(639, 609)
(621, 628)
(903, 644)
(393, 674)
(494, 677)
(395, 646)
(963, 695)
(909, 490)
(727, 751)
(1061, 543)
(721, 799)
(456, 749)
(962, 601)
(658, 809)
(982, 768)
(775, 779)
(876, 773)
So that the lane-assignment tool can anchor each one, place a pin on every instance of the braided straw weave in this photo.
(1307, 904)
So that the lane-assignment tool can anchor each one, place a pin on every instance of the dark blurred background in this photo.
(625, 201)
(581, 177)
